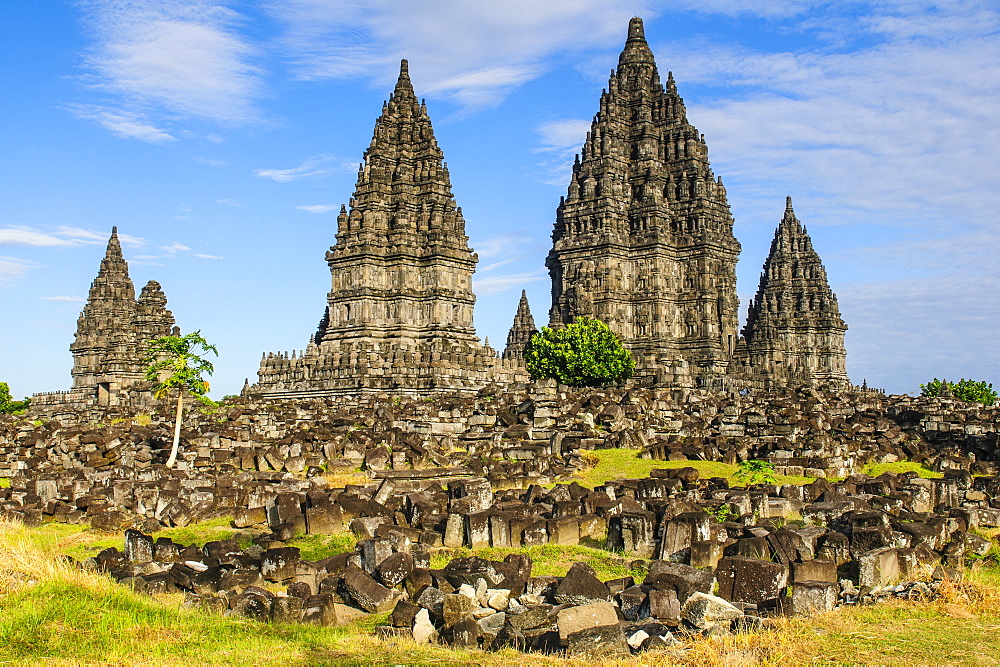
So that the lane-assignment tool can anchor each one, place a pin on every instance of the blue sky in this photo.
(222, 137)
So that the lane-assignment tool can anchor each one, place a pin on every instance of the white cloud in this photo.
(503, 246)
(30, 237)
(68, 299)
(210, 162)
(496, 284)
(560, 140)
(122, 123)
(472, 52)
(200, 256)
(318, 208)
(175, 247)
(311, 168)
(13, 269)
(181, 57)
(229, 202)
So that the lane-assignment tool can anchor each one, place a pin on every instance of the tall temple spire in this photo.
(794, 332)
(114, 329)
(522, 330)
(644, 238)
(401, 271)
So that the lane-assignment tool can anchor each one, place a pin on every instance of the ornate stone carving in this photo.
(521, 331)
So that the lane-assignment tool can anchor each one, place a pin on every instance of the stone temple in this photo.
(113, 334)
(643, 240)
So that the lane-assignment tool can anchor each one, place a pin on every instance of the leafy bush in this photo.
(584, 353)
(964, 390)
(8, 406)
(755, 472)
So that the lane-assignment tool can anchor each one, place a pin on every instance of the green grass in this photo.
(612, 464)
(876, 469)
(317, 547)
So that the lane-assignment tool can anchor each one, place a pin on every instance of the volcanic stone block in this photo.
(365, 591)
(403, 614)
(279, 564)
(432, 599)
(680, 532)
(465, 633)
(811, 597)
(664, 605)
(815, 570)
(423, 629)
(454, 533)
(244, 517)
(605, 640)
(324, 520)
(286, 609)
(706, 553)
(416, 581)
(684, 579)
(373, 551)
(565, 530)
(878, 567)
(574, 619)
(320, 610)
(456, 607)
(704, 611)
(633, 533)
(500, 529)
(581, 586)
(535, 534)
(529, 617)
(477, 530)
(750, 580)
(138, 547)
(634, 602)
(394, 568)
(253, 604)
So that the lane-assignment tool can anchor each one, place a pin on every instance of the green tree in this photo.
(970, 391)
(177, 363)
(8, 406)
(584, 353)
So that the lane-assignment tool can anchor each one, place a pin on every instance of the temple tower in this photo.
(644, 238)
(399, 314)
(522, 330)
(114, 330)
(794, 333)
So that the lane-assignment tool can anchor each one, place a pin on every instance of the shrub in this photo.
(964, 390)
(8, 406)
(584, 353)
(752, 472)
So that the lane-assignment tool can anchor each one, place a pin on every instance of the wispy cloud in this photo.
(559, 140)
(318, 208)
(201, 256)
(30, 237)
(168, 58)
(175, 247)
(68, 299)
(122, 123)
(13, 269)
(472, 52)
(496, 284)
(317, 165)
(229, 202)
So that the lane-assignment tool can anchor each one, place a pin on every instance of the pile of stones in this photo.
(477, 603)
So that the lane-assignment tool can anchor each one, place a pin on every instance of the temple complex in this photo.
(644, 238)
(113, 334)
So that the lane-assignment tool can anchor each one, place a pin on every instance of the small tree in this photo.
(8, 406)
(178, 363)
(964, 390)
(584, 353)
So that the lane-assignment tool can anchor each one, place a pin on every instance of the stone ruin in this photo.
(705, 558)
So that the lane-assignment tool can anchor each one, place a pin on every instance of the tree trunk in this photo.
(177, 431)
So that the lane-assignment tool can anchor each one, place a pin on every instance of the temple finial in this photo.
(635, 29)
